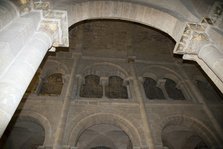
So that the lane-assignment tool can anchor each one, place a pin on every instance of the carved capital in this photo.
(104, 81)
(53, 22)
(193, 38)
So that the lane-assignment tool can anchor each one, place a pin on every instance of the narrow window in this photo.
(115, 88)
(52, 84)
(151, 90)
(172, 91)
(91, 88)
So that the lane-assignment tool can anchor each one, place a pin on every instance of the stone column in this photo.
(197, 44)
(126, 83)
(78, 88)
(140, 100)
(161, 84)
(24, 42)
(14, 81)
(213, 58)
(104, 83)
(58, 143)
(8, 12)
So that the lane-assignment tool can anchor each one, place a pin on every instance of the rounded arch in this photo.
(40, 119)
(192, 123)
(126, 11)
(104, 118)
(58, 67)
(94, 68)
(168, 72)
(150, 75)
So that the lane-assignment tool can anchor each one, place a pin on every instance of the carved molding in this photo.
(54, 22)
(193, 38)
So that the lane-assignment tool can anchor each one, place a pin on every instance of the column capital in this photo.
(193, 38)
(197, 44)
(53, 22)
(104, 81)
(195, 35)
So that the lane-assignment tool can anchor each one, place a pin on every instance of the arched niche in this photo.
(53, 78)
(151, 89)
(178, 132)
(52, 84)
(91, 87)
(181, 137)
(160, 82)
(105, 80)
(172, 90)
(110, 119)
(116, 88)
(23, 133)
(103, 135)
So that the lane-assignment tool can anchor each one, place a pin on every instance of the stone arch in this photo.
(92, 69)
(126, 11)
(58, 73)
(48, 70)
(178, 86)
(40, 119)
(150, 75)
(194, 124)
(104, 118)
(169, 73)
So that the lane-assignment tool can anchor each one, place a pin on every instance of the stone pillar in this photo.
(79, 83)
(140, 100)
(161, 84)
(58, 143)
(198, 43)
(8, 12)
(213, 58)
(126, 83)
(15, 80)
(104, 83)
(23, 43)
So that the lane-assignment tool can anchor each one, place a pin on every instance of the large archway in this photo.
(189, 132)
(103, 136)
(108, 119)
(23, 133)
(126, 11)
